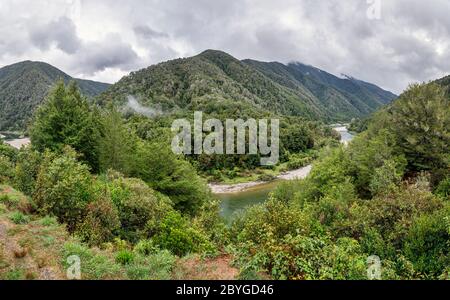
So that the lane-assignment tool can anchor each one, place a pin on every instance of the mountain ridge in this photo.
(214, 78)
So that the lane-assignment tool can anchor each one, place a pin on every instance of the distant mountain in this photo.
(24, 85)
(214, 81)
(343, 98)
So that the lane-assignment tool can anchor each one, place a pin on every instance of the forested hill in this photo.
(343, 97)
(24, 85)
(216, 81)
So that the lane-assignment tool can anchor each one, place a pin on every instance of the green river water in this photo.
(232, 203)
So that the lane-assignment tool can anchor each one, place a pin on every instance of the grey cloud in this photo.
(148, 33)
(61, 32)
(410, 42)
(110, 52)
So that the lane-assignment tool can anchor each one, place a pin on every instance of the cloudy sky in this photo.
(388, 42)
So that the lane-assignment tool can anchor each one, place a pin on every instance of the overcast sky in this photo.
(406, 41)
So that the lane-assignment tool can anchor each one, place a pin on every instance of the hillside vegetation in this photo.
(214, 81)
(132, 209)
(23, 87)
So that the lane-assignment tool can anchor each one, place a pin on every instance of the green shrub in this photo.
(443, 189)
(124, 257)
(101, 221)
(145, 248)
(137, 204)
(426, 244)
(6, 169)
(175, 234)
(27, 169)
(63, 188)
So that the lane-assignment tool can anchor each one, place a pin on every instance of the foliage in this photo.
(25, 85)
(94, 265)
(124, 257)
(63, 187)
(157, 165)
(426, 244)
(156, 266)
(6, 169)
(27, 169)
(116, 143)
(137, 204)
(101, 221)
(443, 188)
(175, 234)
(420, 120)
(65, 118)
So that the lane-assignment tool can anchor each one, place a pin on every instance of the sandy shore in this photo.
(18, 143)
(236, 188)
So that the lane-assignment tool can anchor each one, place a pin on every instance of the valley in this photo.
(101, 181)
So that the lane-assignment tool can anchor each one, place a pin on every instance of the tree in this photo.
(65, 118)
(162, 170)
(115, 147)
(420, 119)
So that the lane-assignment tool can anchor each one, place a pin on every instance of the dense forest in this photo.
(106, 186)
(214, 81)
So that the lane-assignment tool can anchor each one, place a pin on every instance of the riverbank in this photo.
(237, 188)
(18, 143)
(301, 173)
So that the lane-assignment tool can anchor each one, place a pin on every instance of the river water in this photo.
(234, 202)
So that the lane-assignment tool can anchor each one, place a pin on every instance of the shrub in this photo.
(165, 172)
(101, 221)
(26, 171)
(63, 188)
(137, 204)
(386, 178)
(6, 169)
(175, 234)
(124, 257)
(426, 244)
(443, 189)
(145, 248)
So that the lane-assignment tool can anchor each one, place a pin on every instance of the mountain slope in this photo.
(23, 86)
(342, 97)
(214, 81)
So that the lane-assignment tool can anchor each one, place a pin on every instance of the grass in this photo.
(19, 218)
(13, 199)
(94, 265)
(15, 274)
(48, 221)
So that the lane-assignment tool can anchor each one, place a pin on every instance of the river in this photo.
(232, 202)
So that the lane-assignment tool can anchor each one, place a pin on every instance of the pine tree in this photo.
(115, 147)
(65, 118)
